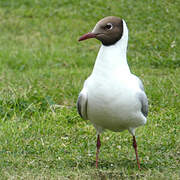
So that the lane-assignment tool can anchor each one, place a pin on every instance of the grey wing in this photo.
(140, 83)
(144, 103)
(142, 98)
(82, 104)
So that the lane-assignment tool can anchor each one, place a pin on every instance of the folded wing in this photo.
(142, 98)
(82, 104)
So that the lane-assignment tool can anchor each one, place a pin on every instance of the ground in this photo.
(42, 70)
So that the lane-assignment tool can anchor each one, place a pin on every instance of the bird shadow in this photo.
(123, 163)
(108, 169)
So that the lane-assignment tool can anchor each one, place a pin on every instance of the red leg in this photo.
(135, 148)
(98, 148)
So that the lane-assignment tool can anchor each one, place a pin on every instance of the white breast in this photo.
(112, 103)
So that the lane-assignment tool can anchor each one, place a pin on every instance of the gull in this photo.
(112, 97)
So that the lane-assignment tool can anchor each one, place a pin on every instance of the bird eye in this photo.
(109, 26)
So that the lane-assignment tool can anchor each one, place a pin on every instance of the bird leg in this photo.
(98, 148)
(135, 148)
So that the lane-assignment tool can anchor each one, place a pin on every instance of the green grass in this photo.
(42, 70)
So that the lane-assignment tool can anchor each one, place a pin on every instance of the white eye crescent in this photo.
(109, 26)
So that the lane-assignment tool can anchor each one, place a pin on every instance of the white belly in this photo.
(114, 106)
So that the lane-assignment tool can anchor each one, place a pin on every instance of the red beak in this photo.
(87, 36)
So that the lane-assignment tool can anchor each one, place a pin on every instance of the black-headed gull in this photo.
(112, 97)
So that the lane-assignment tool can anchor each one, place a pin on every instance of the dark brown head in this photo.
(108, 30)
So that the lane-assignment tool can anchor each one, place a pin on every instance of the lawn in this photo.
(42, 70)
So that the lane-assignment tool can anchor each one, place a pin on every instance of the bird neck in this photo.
(113, 58)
